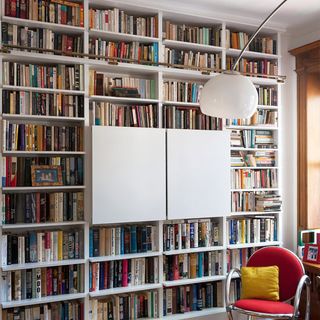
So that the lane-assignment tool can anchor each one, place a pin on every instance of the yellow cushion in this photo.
(260, 283)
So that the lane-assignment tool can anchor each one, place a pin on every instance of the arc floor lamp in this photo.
(230, 94)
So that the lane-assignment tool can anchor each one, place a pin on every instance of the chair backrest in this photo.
(290, 268)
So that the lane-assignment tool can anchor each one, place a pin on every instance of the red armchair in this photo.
(292, 279)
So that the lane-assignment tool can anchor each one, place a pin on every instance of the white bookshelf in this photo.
(160, 73)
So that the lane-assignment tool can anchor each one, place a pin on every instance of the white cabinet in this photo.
(128, 175)
(130, 181)
(198, 173)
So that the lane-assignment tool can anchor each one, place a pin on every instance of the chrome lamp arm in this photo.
(228, 284)
(304, 281)
(255, 33)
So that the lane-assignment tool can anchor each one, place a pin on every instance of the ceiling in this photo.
(293, 15)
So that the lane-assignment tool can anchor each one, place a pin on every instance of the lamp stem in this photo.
(255, 33)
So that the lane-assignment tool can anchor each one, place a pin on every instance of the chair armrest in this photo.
(304, 281)
(228, 284)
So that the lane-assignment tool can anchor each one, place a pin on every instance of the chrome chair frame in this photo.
(304, 281)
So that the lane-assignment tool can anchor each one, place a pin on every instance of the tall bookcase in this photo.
(230, 252)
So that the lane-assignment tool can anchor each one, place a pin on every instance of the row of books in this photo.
(33, 137)
(238, 39)
(53, 11)
(119, 21)
(68, 310)
(253, 159)
(16, 172)
(194, 297)
(102, 84)
(269, 67)
(122, 240)
(260, 117)
(267, 96)
(237, 258)
(190, 234)
(108, 114)
(40, 38)
(129, 306)
(254, 178)
(253, 139)
(177, 117)
(45, 246)
(41, 282)
(202, 35)
(252, 201)
(252, 229)
(42, 104)
(66, 77)
(123, 273)
(190, 58)
(123, 51)
(193, 265)
(181, 91)
(42, 207)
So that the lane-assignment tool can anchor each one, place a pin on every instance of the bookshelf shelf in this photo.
(43, 90)
(252, 54)
(186, 104)
(253, 149)
(123, 100)
(30, 302)
(125, 256)
(47, 25)
(43, 225)
(108, 292)
(190, 46)
(117, 36)
(185, 74)
(34, 57)
(23, 266)
(41, 189)
(192, 281)
(253, 245)
(41, 153)
(256, 189)
(253, 213)
(253, 127)
(193, 250)
(39, 118)
(254, 168)
(265, 107)
(195, 314)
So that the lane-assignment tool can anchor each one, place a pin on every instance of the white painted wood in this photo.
(198, 174)
(128, 174)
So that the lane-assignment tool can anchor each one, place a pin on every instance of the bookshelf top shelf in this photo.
(252, 213)
(41, 189)
(41, 153)
(39, 118)
(255, 127)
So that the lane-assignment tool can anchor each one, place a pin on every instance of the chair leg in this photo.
(250, 318)
(229, 313)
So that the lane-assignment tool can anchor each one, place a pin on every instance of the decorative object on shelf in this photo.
(45, 175)
(230, 94)
(312, 253)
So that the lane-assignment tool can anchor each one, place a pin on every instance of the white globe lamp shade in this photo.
(229, 95)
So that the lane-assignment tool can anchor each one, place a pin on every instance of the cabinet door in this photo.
(128, 175)
(198, 173)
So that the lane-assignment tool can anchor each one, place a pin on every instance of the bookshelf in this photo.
(165, 107)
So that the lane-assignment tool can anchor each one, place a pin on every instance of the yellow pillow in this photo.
(260, 283)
